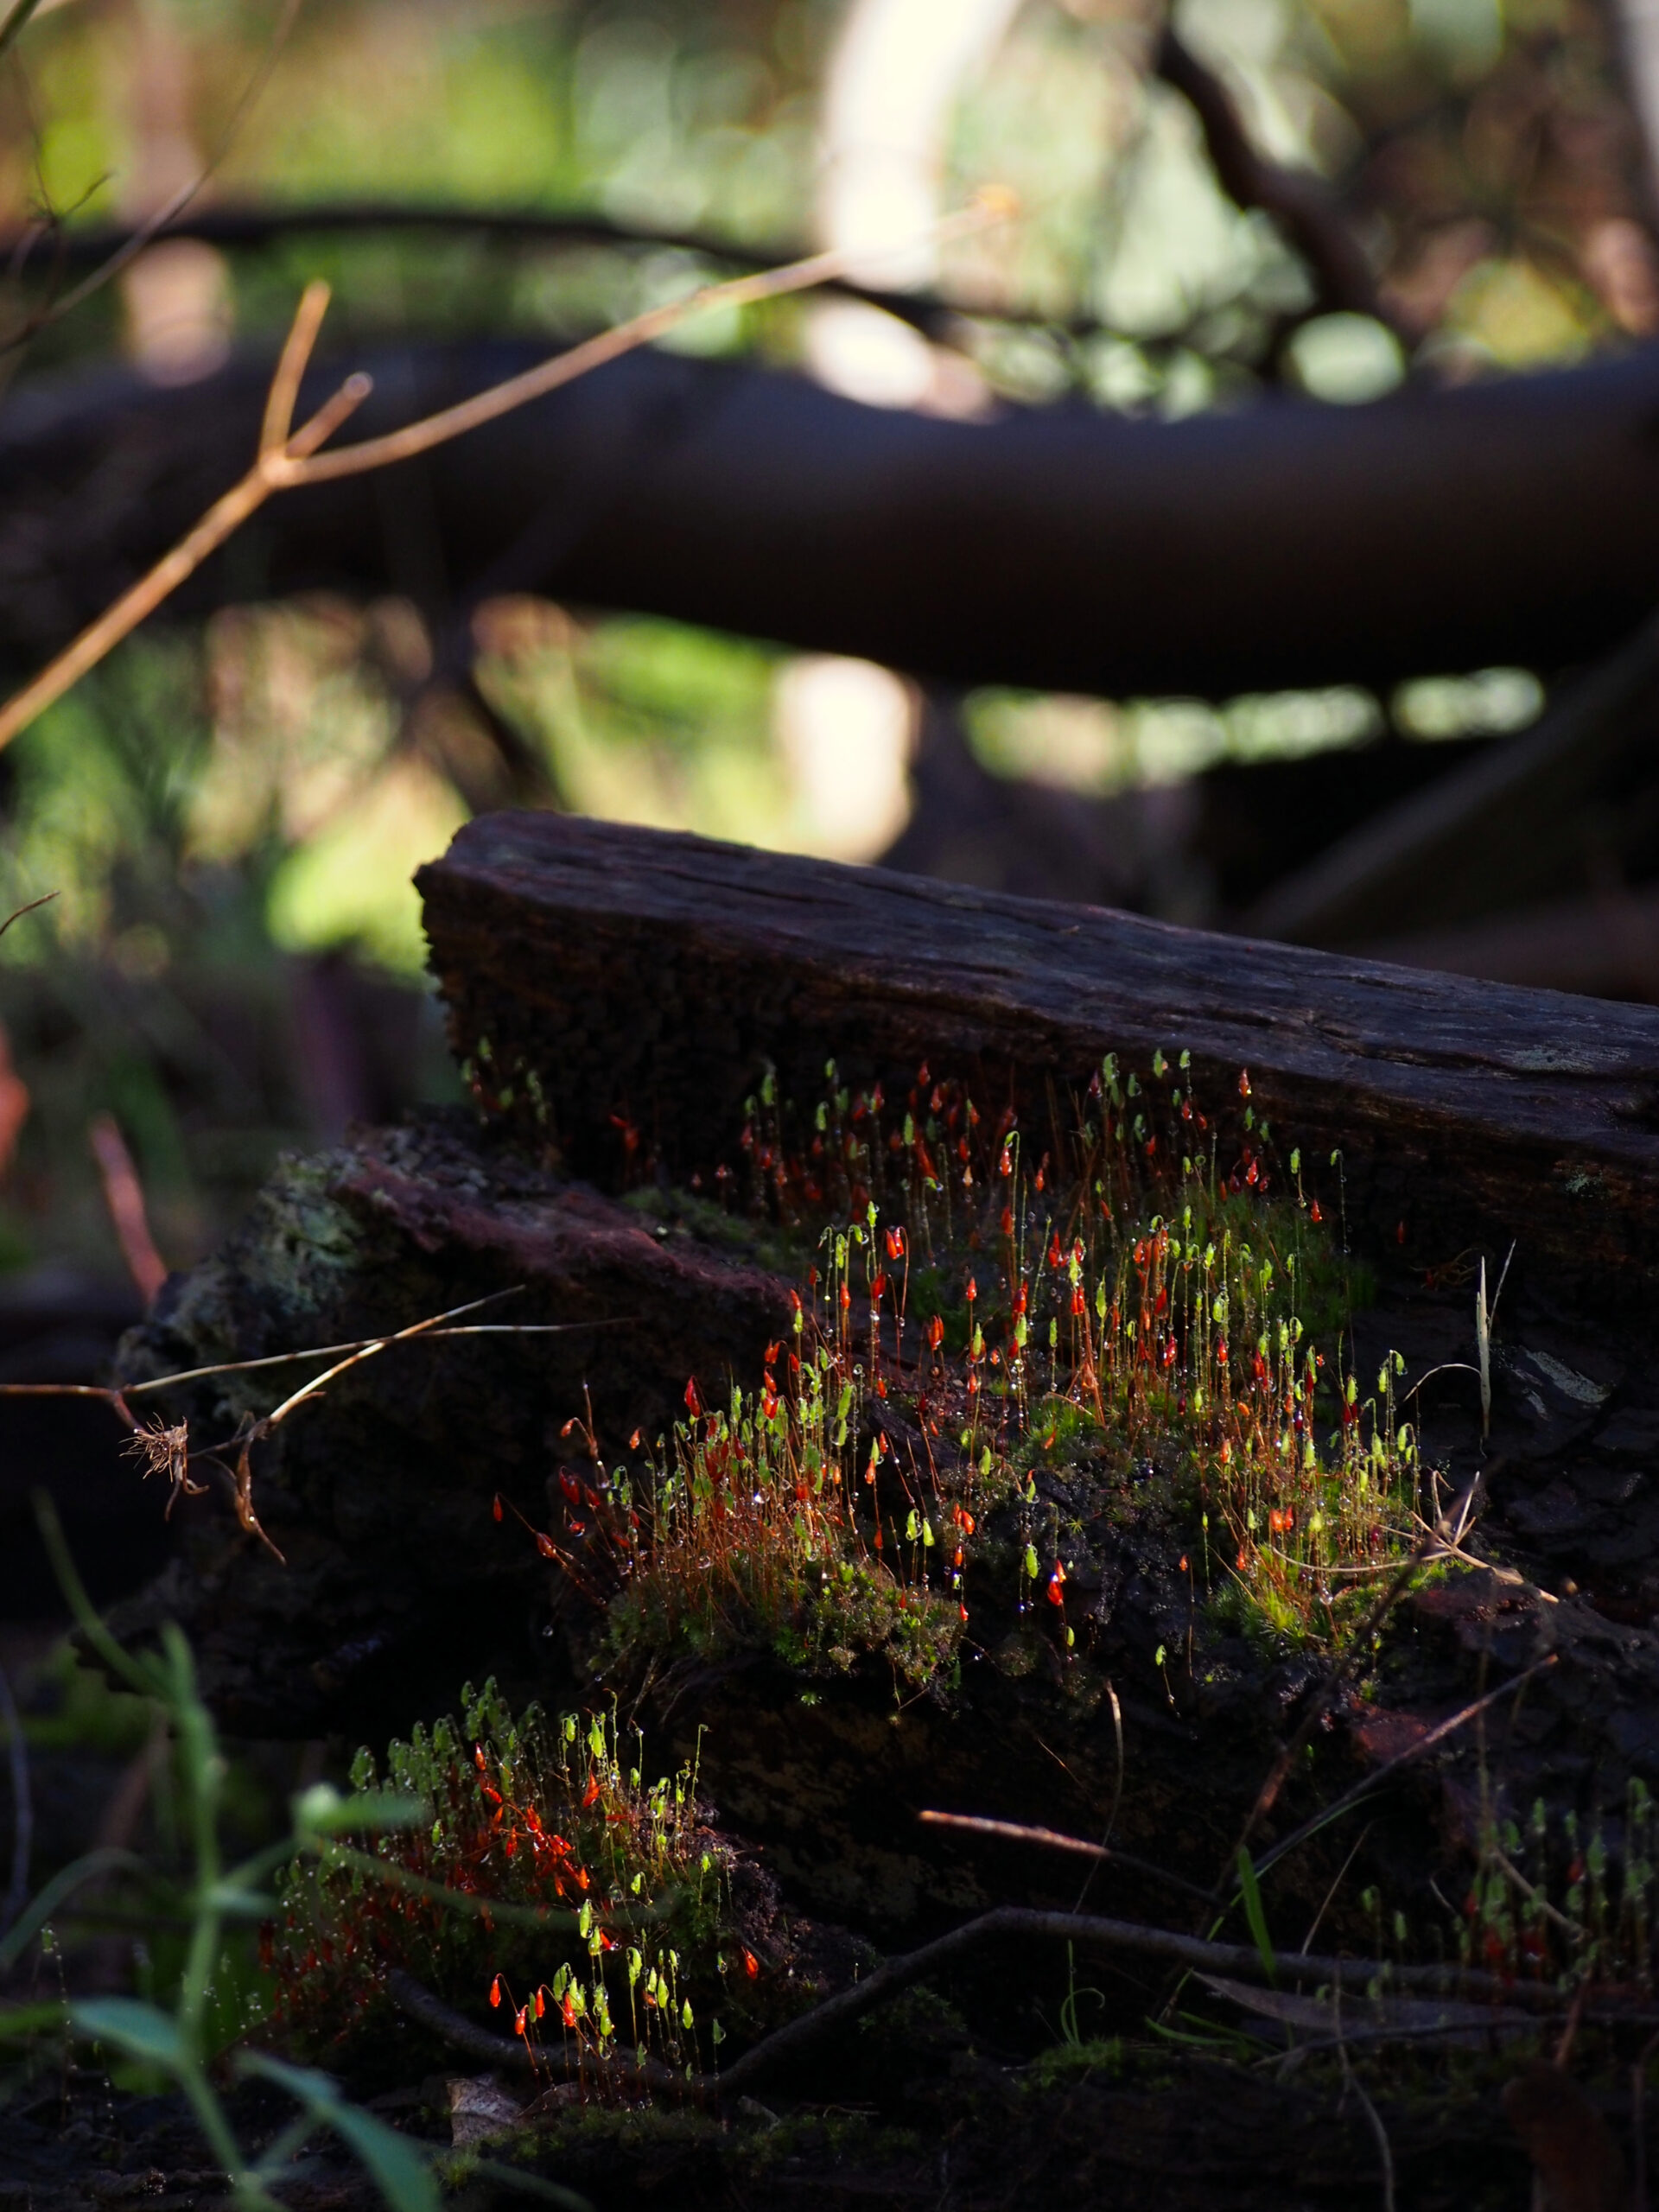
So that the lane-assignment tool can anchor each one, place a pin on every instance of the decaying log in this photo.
(646, 977)
(650, 978)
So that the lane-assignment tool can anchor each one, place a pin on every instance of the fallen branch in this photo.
(1236, 1961)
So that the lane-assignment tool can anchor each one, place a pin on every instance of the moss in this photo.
(1071, 2061)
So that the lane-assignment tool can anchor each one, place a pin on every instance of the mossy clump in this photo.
(1156, 1328)
(548, 1887)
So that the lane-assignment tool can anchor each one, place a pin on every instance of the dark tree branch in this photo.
(1298, 200)
(251, 228)
(1516, 521)
(1006, 1923)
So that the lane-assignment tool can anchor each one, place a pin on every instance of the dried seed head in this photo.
(165, 1449)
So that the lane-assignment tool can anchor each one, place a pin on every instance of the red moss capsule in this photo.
(497, 1508)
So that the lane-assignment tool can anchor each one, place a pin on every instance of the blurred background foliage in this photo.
(230, 813)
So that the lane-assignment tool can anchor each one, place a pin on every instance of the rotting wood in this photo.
(637, 976)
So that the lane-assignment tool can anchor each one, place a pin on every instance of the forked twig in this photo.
(280, 466)
(273, 470)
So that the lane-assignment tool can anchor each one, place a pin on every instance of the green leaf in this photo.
(397, 2166)
(141, 2031)
(1250, 1891)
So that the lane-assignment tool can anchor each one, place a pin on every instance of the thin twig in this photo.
(297, 348)
(17, 17)
(17, 913)
(147, 232)
(594, 353)
(1053, 1839)
(1297, 200)
(116, 1396)
(256, 1431)
(1342, 1876)
(1351, 2080)
(1374, 1781)
(375, 1345)
(270, 471)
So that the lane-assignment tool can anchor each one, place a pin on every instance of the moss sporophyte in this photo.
(971, 1318)
(547, 1879)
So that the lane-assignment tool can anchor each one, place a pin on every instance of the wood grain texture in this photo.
(650, 975)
